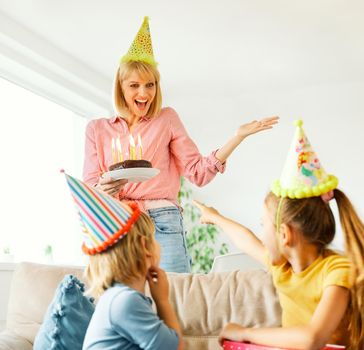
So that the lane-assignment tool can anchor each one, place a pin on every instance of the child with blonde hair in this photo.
(320, 291)
(123, 257)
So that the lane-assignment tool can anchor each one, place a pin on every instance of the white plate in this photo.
(132, 174)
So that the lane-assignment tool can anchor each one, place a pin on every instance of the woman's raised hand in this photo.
(256, 126)
(111, 186)
(243, 131)
(208, 214)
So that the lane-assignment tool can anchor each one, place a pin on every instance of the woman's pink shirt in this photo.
(166, 145)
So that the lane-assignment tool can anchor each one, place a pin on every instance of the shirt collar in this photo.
(115, 118)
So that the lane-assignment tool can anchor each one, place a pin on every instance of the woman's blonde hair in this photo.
(122, 262)
(314, 219)
(145, 71)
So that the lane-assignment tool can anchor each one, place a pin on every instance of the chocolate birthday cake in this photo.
(131, 163)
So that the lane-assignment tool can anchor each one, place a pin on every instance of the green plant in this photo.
(201, 238)
(6, 250)
(48, 252)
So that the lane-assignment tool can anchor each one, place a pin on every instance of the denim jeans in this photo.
(169, 232)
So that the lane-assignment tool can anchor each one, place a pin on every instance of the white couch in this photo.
(204, 303)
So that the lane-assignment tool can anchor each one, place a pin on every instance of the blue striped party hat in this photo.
(104, 220)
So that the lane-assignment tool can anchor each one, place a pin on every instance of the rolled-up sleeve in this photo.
(199, 169)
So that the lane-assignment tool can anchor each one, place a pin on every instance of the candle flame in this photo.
(140, 147)
(113, 152)
(132, 154)
(131, 141)
(118, 147)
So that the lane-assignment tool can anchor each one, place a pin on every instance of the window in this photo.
(38, 138)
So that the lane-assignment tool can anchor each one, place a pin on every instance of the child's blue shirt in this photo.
(124, 319)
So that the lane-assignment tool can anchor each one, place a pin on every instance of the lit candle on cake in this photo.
(140, 147)
(132, 154)
(113, 150)
(118, 147)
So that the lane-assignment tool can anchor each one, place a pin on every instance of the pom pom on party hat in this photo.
(303, 176)
(104, 220)
(141, 49)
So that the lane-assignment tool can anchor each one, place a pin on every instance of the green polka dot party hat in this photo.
(141, 48)
(303, 175)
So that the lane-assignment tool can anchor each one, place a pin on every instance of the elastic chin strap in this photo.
(278, 222)
(278, 214)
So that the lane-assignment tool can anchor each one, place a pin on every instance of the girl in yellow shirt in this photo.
(319, 290)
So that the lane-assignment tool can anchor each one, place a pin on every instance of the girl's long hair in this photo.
(353, 228)
(314, 219)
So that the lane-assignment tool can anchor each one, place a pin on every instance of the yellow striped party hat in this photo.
(141, 49)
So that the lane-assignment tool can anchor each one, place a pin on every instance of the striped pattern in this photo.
(101, 215)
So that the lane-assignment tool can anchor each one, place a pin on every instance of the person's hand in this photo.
(231, 331)
(256, 126)
(111, 186)
(158, 284)
(208, 214)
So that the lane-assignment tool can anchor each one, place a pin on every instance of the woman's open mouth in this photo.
(141, 104)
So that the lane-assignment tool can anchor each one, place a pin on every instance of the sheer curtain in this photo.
(38, 138)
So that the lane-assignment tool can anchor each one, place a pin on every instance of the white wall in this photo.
(222, 64)
(41, 67)
(333, 120)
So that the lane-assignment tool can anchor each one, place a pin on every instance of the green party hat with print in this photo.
(303, 175)
(141, 49)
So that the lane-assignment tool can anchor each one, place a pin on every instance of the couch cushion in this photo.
(67, 318)
(205, 303)
(201, 343)
(11, 341)
(32, 290)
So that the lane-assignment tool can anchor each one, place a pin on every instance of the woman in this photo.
(166, 144)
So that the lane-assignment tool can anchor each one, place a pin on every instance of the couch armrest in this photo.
(31, 291)
(11, 341)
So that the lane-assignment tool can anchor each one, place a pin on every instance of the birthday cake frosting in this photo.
(131, 163)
